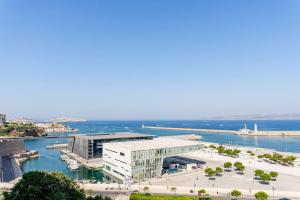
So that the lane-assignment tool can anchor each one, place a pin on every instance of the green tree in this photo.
(201, 194)
(98, 197)
(235, 193)
(273, 175)
(258, 172)
(239, 166)
(236, 164)
(260, 156)
(210, 172)
(220, 149)
(218, 170)
(39, 185)
(227, 165)
(261, 196)
(265, 177)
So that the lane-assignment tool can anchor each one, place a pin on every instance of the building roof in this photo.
(119, 135)
(185, 137)
(156, 143)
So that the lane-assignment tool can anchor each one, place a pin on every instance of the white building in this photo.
(2, 119)
(140, 160)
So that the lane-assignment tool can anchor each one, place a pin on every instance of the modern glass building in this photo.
(91, 146)
(142, 160)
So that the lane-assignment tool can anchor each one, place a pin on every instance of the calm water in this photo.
(49, 159)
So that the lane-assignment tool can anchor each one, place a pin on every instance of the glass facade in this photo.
(148, 163)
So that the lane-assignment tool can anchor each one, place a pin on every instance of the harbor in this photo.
(89, 170)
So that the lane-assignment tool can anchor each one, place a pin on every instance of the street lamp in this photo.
(273, 189)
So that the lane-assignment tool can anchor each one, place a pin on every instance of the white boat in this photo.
(63, 157)
(73, 166)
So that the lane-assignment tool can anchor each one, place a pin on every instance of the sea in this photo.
(49, 158)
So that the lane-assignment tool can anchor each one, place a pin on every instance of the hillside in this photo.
(21, 130)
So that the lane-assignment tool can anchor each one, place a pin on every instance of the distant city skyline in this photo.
(170, 59)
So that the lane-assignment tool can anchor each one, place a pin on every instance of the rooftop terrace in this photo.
(156, 143)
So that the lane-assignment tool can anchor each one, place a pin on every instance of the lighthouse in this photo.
(255, 128)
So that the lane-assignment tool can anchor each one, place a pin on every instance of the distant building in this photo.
(91, 146)
(141, 160)
(2, 119)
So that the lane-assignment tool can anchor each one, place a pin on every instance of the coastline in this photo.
(232, 132)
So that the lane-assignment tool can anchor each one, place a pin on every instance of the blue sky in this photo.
(149, 59)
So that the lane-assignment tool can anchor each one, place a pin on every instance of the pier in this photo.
(57, 146)
(193, 129)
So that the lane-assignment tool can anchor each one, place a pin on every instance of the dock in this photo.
(95, 163)
(57, 146)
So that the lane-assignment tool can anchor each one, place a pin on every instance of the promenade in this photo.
(185, 190)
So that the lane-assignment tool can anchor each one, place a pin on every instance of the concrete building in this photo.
(2, 119)
(9, 169)
(91, 146)
(11, 146)
(140, 160)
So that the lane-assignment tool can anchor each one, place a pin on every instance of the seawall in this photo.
(216, 131)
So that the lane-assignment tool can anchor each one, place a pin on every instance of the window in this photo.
(122, 154)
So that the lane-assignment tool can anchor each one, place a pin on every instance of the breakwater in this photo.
(239, 132)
